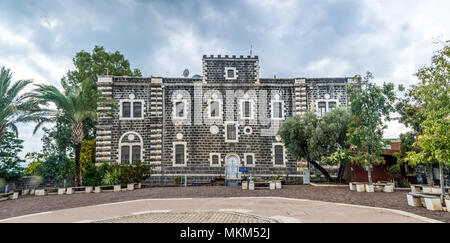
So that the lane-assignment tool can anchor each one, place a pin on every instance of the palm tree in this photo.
(77, 103)
(14, 108)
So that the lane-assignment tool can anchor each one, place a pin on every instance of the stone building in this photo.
(208, 126)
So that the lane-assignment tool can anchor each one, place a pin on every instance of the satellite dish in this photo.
(186, 73)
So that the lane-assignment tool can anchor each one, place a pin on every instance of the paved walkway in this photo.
(227, 210)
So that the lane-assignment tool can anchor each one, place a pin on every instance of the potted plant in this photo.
(278, 179)
(244, 182)
(177, 180)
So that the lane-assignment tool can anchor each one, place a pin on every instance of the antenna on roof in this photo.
(251, 49)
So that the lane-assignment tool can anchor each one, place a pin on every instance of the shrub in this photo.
(94, 174)
(112, 177)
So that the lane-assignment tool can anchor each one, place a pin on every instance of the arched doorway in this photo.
(232, 169)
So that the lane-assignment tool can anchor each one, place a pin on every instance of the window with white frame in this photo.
(131, 109)
(325, 106)
(179, 154)
(249, 159)
(277, 109)
(246, 109)
(278, 154)
(214, 159)
(331, 105)
(231, 132)
(180, 109)
(230, 73)
(130, 148)
(322, 108)
(214, 109)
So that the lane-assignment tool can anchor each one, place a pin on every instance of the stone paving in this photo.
(191, 217)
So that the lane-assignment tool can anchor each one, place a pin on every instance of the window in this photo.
(230, 73)
(131, 109)
(214, 109)
(331, 105)
(137, 109)
(179, 109)
(126, 109)
(130, 148)
(214, 159)
(179, 154)
(125, 155)
(278, 154)
(249, 160)
(322, 106)
(231, 132)
(277, 109)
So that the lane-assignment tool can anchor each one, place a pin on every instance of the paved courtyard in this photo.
(227, 210)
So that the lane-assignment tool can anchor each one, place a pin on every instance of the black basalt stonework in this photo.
(159, 130)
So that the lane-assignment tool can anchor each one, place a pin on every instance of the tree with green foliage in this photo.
(312, 138)
(75, 103)
(369, 104)
(14, 107)
(10, 162)
(432, 95)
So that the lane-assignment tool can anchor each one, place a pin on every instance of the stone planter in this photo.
(272, 185)
(447, 204)
(139, 186)
(40, 192)
(426, 189)
(414, 201)
(61, 191)
(436, 190)
(433, 204)
(25, 192)
(251, 185)
(388, 188)
(360, 188)
(69, 191)
(130, 187)
(117, 188)
(14, 196)
(278, 184)
(370, 188)
(245, 185)
(97, 189)
(89, 189)
(352, 186)
(32, 191)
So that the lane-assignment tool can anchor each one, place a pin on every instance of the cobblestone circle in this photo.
(191, 217)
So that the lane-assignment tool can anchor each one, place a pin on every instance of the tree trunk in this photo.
(321, 169)
(340, 172)
(369, 174)
(2, 133)
(441, 179)
(78, 165)
(77, 140)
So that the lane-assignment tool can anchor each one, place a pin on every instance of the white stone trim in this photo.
(174, 154)
(235, 73)
(174, 109)
(210, 160)
(248, 133)
(284, 155)
(226, 131)
(282, 110)
(141, 143)
(220, 117)
(132, 101)
(245, 159)
(252, 109)
(326, 104)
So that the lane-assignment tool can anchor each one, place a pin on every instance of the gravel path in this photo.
(397, 200)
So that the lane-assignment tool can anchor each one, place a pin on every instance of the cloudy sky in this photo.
(310, 38)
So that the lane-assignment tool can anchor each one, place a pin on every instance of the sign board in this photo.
(243, 169)
(306, 177)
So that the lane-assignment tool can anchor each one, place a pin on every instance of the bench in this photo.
(5, 196)
(430, 201)
(384, 186)
(79, 189)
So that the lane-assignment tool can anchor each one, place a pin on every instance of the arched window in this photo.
(130, 148)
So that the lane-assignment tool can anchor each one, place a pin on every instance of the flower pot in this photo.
(130, 187)
(245, 185)
(352, 186)
(251, 185)
(360, 188)
(370, 188)
(278, 184)
(388, 188)
(88, 189)
(272, 185)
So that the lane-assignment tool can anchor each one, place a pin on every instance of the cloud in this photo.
(308, 38)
